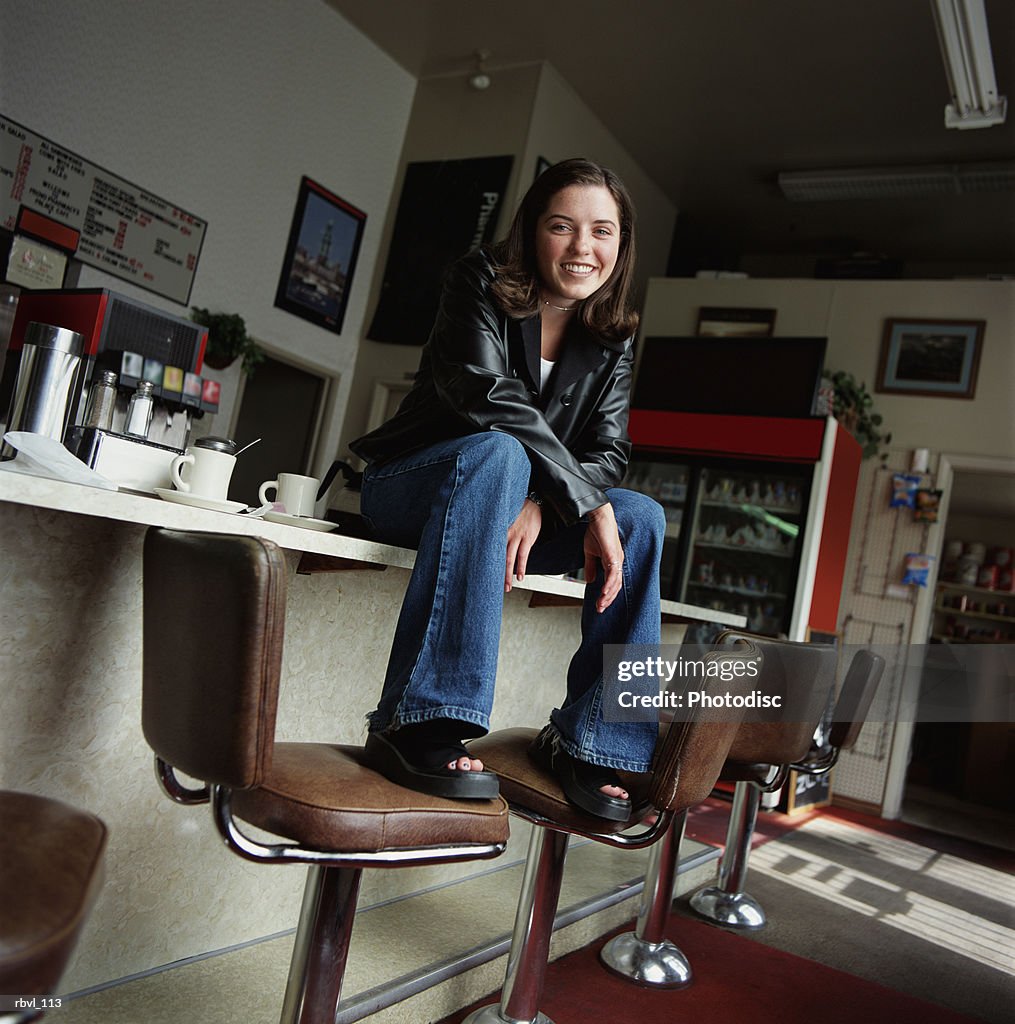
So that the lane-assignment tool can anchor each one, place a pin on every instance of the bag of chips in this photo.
(917, 569)
(926, 505)
(904, 487)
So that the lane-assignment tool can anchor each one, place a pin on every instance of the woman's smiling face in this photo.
(577, 243)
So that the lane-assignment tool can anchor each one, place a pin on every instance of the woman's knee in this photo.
(492, 445)
(496, 457)
(635, 511)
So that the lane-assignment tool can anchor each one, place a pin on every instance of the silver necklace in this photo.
(563, 309)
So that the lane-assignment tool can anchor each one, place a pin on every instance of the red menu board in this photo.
(124, 230)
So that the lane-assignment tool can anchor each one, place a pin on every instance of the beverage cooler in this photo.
(758, 514)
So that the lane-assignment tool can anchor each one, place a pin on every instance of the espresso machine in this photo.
(137, 343)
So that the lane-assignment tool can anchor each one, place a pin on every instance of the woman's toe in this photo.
(615, 791)
(466, 764)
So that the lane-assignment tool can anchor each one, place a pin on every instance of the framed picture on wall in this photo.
(320, 257)
(930, 357)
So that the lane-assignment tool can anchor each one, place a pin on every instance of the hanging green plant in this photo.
(853, 407)
(227, 340)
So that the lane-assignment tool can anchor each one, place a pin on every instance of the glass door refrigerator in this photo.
(758, 513)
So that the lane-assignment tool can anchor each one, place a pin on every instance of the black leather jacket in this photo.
(479, 371)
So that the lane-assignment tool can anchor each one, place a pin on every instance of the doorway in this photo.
(958, 774)
(282, 405)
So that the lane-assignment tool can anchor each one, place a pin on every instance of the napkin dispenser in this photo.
(133, 463)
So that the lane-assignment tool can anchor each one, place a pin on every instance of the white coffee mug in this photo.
(296, 494)
(208, 473)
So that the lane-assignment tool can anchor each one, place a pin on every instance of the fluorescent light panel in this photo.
(898, 182)
(965, 46)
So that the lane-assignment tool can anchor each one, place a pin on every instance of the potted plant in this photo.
(227, 340)
(853, 407)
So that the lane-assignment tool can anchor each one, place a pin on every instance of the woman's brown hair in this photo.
(516, 287)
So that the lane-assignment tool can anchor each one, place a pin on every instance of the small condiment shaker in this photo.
(139, 412)
(101, 402)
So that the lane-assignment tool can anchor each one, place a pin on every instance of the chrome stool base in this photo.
(491, 1015)
(733, 909)
(655, 964)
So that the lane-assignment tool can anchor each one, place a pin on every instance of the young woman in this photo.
(504, 459)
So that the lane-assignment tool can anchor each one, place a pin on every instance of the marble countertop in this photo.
(128, 507)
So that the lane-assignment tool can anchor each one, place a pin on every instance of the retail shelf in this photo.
(967, 588)
(738, 591)
(945, 610)
(742, 548)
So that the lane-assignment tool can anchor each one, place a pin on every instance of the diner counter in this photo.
(130, 507)
(70, 674)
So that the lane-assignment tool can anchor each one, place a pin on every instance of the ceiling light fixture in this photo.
(965, 46)
(898, 182)
(479, 79)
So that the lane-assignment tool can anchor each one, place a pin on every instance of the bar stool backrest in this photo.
(801, 673)
(692, 752)
(212, 661)
(855, 698)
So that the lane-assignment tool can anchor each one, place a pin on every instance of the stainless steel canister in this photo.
(47, 378)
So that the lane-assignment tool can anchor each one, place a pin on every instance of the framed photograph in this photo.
(719, 322)
(320, 257)
(930, 357)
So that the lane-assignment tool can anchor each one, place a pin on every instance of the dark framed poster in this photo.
(447, 208)
(320, 257)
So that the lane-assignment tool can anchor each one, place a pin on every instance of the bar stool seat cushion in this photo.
(524, 783)
(50, 872)
(737, 771)
(323, 796)
(772, 742)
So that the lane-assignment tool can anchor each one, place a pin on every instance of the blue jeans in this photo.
(454, 501)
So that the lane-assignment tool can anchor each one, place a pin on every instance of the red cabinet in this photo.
(759, 511)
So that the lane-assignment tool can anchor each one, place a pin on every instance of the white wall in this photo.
(851, 314)
(528, 112)
(221, 108)
(449, 121)
(562, 127)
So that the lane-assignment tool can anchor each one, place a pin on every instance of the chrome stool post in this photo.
(322, 944)
(727, 903)
(644, 955)
(530, 942)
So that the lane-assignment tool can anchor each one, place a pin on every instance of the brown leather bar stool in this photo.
(51, 869)
(803, 674)
(687, 764)
(758, 765)
(208, 709)
(644, 954)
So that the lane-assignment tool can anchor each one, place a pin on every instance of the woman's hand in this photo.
(602, 543)
(521, 536)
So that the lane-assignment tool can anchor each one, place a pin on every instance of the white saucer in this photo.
(196, 500)
(304, 522)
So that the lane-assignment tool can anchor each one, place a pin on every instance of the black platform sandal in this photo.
(580, 780)
(417, 757)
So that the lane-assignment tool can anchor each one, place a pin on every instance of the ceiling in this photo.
(713, 98)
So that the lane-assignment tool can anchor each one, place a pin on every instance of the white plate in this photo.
(185, 498)
(304, 522)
